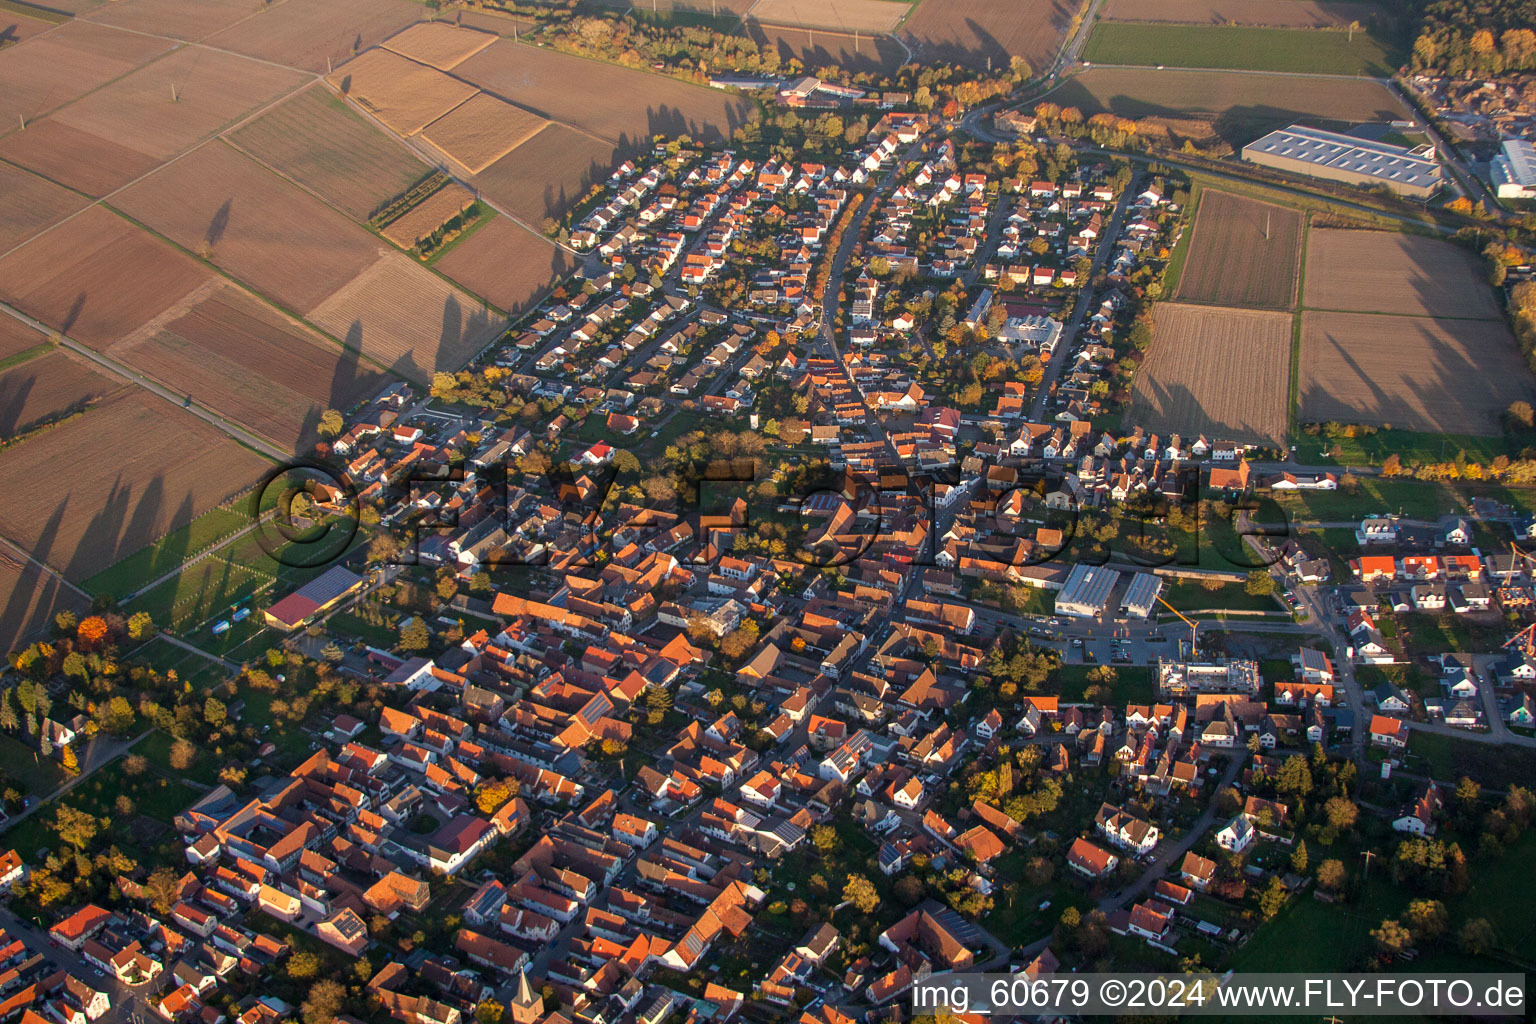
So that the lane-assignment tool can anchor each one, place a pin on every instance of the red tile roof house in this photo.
(74, 930)
(1391, 733)
(1090, 860)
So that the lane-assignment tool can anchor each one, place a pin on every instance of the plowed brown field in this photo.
(235, 354)
(1232, 262)
(1219, 372)
(507, 264)
(1268, 13)
(28, 204)
(97, 277)
(1414, 373)
(438, 43)
(1385, 272)
(973, 31)
(47, 72)
(104, 484)
(126, 129)
(404, 95)
(481, 131)
(430, 214)
(280, 240)
(545, 175)
(307, 33)
(48, 386)
(404, 317)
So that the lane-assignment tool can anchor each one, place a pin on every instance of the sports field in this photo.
(1239, 47)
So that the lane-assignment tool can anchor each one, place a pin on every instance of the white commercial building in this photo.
(1312, 151)
(1086, 592)
(1513, 172)
(1141, 596)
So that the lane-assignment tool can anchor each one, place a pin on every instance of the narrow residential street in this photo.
(1063, 354)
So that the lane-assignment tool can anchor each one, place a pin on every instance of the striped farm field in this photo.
(318, 141)
(1214, 371)
(1243, 253)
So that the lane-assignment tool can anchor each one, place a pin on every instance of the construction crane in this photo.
(1516, 553)
(1192, 627)
(1525, 640)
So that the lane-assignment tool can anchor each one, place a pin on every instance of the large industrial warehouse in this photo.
(1312, 151)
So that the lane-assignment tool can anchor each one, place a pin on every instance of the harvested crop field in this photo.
(47, 72)
(545, 175)
(191, 20)
(1385, 272)
(844, 15)
(971, 31)
(14, 28)
(29, 204)
(1214, 371)
(481, 131)
(406, 96)
(1290, 14)
(29, 599)
(406, 318)
(16, 338)
(505, 263)
(277, 238)
(235, 354)
(428, 215)
(318, 141)
(818, 50)
(47, 387)
(1237, 107)
(306, 33)
(104, 484)
(620, 104)
(438, 44)
(1232, 262)
(126, 129)
(1414, 373)
(96, 277)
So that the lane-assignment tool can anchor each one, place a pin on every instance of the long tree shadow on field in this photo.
(14, 389)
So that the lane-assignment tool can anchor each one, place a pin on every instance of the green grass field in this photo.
(31, 772)
(210, 587)
(168, 552)
(1133, 684)
(1230, 47)
(1411, 446)
(1374, 495)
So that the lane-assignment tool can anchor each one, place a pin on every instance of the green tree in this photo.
(1331, 875)
(332, 652)
(1272, 899)
(490, 1011)
(1260, 583)
(326, 998)
(76, 827)
(861, 892)
(331, 424)
(414, 636)
(1427, 919)
(1299, 857)
(1477, 936)
(8, 719)
(1341, 812)
(303, 965)
(1392, 937)
(214, 712)
(141, 626)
